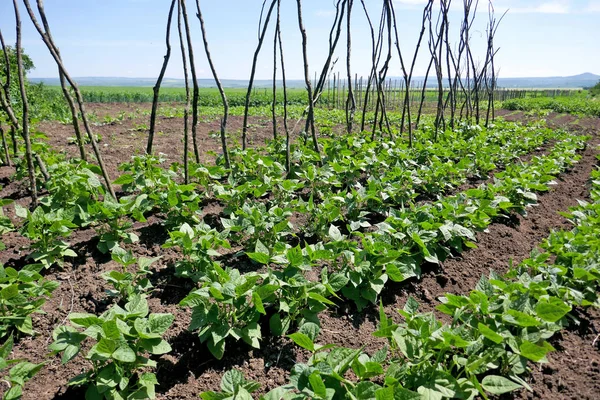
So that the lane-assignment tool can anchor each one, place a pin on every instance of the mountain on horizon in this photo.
(579, 81)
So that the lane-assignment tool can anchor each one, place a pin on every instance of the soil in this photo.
(573, 370)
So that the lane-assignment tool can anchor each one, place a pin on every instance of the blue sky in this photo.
(125, 38)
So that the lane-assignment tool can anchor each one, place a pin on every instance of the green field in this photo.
(207, 96)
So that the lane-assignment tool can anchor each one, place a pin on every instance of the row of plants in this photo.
(486, 348)
(393, 175)
(572, 105)
(208, 97)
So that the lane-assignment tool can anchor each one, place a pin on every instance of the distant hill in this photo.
(559, 82)
(167, 82)
(556, 82)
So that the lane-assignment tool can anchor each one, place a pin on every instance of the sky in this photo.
(126, 38)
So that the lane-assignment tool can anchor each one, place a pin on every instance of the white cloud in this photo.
(325, 13)
(593, 6)
(412, 2)
(515, 6)
(549, 7)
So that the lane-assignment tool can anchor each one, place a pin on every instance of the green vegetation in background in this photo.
(595, 90)
(208, 96)
(578, 105)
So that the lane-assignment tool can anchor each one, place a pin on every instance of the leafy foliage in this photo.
(127, 284)
(21, 372)
(571, 105)
(22, 293)
(120, 338)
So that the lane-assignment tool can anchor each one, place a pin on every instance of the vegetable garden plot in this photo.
(282, 259)
(191, 268)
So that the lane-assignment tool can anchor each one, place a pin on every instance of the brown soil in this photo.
(573, 371)
(121, 140)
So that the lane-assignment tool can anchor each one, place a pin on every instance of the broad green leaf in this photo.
(365, 390)
(405, 394)
(261, 248)
(499, 385)
(552, 310)
(488, 333)
(535, 352)
(155, 346)
(125, 354)
(258, 304)
(10, 291)
(216, 349)
(259, 257)
(111, 330)
(294, 256)
(137, 306)
(385, 394)
(303, 341)
(320, 298)
(317, 385)
(160, 323)
(411, 306)
(335, 234)
(520, 318)
(231, 381)
(14, 393)
(310, 329)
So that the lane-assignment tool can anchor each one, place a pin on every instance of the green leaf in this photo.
(160, 323)
(485, 286)
(294, 256)
(320, 298)
(335, 234)
(137, 306)
(520, 318)
(155, 346)
(303, 341)
(278, 326)
(535, 352)
(69, 353)
(260, 258)
(111, 330)
(231, 381)
(261, 248)
(124, 179)
(25, 325)
(258, 304)
(104, 348)
(124, 353)
(317, 384)
(216, 349)
(412, 306)
(365, 390)
(23, 371)
(187, 229)
(6, 348)
(552, 310)
(310, 329)
(10, 292)
(489, 333)
(14, 393)
(499, 385)
(21, 211)
(404, 394)
(385, 394)
(144, 262)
